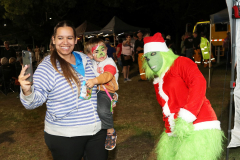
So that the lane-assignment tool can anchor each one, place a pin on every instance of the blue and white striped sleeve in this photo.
(43, 82)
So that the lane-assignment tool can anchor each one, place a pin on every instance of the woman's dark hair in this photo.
(127, 35)
(120, 40)
(67, 70)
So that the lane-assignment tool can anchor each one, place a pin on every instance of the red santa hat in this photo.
(155, 43)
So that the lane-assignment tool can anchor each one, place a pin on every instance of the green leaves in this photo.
(36, 18)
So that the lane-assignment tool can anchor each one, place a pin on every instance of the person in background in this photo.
(42, 52)
(127, 57)
(196, 48)
(170, 44)
(12, 60)
(205, 48)
(135, 37)
(138, 48)
(182, 45)
(8, 52)
(33, 55)
(188, 43)
(227, 48)
(4, 61)
(37, 53)
(119, 52)
(72, 124)
(111, 52)
(168, 41)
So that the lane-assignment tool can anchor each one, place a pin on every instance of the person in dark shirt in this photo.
(188, 43)
(8, 52)
(138, 48)
(196, 47)
(111, 52)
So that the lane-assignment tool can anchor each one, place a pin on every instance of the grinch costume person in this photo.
(192, 129)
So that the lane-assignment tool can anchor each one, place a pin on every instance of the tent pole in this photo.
(83, 39)
(210, 53)
(231, 82)
(114, 39)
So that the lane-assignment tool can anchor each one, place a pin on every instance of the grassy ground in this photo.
(137, 119)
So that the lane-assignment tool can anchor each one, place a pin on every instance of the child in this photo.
(107, 76)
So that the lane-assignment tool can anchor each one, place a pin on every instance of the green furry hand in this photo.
(182, 129)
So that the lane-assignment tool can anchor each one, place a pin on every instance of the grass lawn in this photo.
(137, 119)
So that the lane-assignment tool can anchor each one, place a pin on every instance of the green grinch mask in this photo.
(154, 60)
(99, 51)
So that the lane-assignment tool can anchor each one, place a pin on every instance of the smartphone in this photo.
(27, 60)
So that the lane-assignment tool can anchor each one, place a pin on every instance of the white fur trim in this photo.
(165, 108)
(170, 134)
(207, 125)
(155, 46)
(171, 121)
(156, 80)
(186, 115)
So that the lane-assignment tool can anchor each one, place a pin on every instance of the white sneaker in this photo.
(129, 79)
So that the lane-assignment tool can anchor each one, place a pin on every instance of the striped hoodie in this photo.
(66, 115)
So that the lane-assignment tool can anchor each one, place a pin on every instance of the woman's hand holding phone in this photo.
(25, 85)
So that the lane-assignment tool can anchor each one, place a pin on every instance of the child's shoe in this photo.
(111, 140)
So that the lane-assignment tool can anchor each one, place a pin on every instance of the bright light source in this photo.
(120, 33)
(4, 25)
(50, 18)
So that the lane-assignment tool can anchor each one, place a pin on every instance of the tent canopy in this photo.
(116, 25)
(220, 17)
(86, 27)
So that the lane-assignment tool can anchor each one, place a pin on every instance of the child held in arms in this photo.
(107, 76)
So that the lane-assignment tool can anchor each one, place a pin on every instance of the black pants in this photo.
(103, 109)
(66, 148)
(189, 53)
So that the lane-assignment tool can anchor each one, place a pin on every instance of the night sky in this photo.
(142, 13)
(166, 16)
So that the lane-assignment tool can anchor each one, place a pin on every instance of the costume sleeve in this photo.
(196, 83)
(107, 75)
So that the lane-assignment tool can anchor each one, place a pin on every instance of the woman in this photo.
(119, 52)
(127, 57)
(72, 124)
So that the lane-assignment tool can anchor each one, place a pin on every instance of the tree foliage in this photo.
(32, 17)
(167, 16)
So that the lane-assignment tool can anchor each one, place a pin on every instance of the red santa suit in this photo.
(181, 92)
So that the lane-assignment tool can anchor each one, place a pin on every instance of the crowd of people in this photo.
(197, 48)
(13, 59)
(9, 58)
(79, 89)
